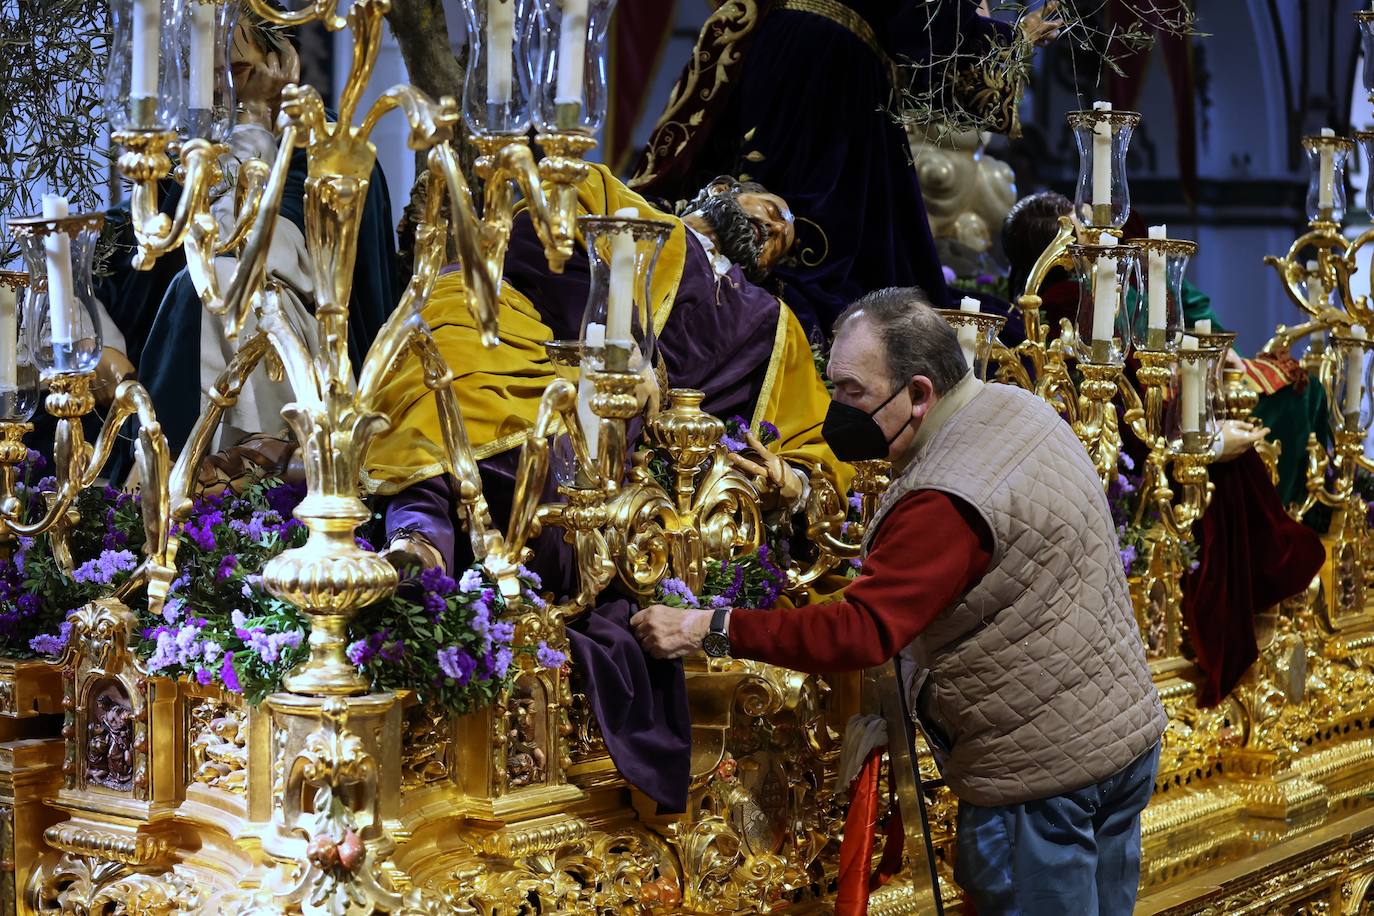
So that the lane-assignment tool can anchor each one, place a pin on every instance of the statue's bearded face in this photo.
(752, 228)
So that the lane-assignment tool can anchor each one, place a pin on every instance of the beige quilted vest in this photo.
(1036, 678)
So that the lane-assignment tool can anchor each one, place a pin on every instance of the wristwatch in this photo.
(716, 643)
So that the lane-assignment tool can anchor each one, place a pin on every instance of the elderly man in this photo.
(991, 568)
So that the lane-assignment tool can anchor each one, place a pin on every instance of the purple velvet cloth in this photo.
(719, 340)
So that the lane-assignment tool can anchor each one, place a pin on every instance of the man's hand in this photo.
(779, 485)
(671, 632)
(1042, 26)
(1238, 437)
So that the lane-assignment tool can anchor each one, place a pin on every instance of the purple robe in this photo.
(719, 339)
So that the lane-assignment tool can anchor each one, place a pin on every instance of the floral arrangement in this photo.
(445, 639)
(735, 429)
(752, 581)
(1132, 525)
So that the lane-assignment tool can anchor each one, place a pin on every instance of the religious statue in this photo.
(110, 744)
(717, 331)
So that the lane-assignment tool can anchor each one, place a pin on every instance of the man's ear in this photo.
(922, 392)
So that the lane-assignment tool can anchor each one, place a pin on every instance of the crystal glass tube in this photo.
(1105, 274)
(496, 92)
(1103, 136)
(1159, 326)
(1326, 156)
(570, 93)
(142, 80)
(203, 67)
(61, 310)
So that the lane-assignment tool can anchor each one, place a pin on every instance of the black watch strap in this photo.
(716, 644)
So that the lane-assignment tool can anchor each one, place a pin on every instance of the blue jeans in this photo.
(1074, 853)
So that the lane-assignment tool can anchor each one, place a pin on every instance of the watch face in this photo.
(716, 645)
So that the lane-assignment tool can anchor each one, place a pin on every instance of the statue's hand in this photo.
(113, 368)
(411, 551)
(1238, 437)
(778, 484)
(1042, 26)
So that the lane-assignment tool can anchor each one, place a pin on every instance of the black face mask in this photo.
(854, 435)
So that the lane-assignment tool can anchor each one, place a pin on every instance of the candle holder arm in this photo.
(322, 10)
(558, 401)
(1284, 336)
(1010, 369)
(480, 278)
(144, 163)
(250, 272)
(253, 177)
(462, 461)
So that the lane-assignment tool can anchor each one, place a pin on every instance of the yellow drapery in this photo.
(498, 389)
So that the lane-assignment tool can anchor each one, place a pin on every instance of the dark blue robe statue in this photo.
(803, 101)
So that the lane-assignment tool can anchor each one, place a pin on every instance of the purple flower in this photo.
(203, 676)
(103, 569)
(550, 658)
(228, 675)
(436, 580)
(226, 567)
(531, 576)
(457, 665)
(1128, 461)
(358, 652)
(732, 444)
(1128, 556)
(985, 280)
(471, 581)
(678, 588)
(768, 433)
(498, 663)
(49, 644)
(950, 275)
(856, 503)
(364, 545)
(283, 499)
(35, 460)
(29, 604)
(393, 651)
(435, 605)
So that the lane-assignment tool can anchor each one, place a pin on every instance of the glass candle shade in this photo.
(1365, 20)
(1105, 274)
(18, 374)
(1366, 140)
(1326, 156)
(566, 356)
(60, 309)
(617, 325)
(1345, 373)
(1192, 420)
(503, 37)
(570, 94)
(142, 79)
(976, 331)
(1102, 201)
(1159, 326)
(205, 28)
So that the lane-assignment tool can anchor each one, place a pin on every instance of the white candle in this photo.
(500, 38)
(9, 339)
(1316, 292)
(145, 48)
(1102, 158)
(1104, 293)
(1202, 327)
(1190, 393)
(1159, 282)
(1326, 179)
(620, 299)
(58, 247)
(591, 423)
(572, 49)
(1354, 373)
(202, 57)
(968, 333)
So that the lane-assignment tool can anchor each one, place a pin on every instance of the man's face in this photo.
(754, 230)
(773, 227)
(858, 368)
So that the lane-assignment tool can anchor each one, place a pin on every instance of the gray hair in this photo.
(916, 340)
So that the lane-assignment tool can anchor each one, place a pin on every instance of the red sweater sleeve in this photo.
(930, 550)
